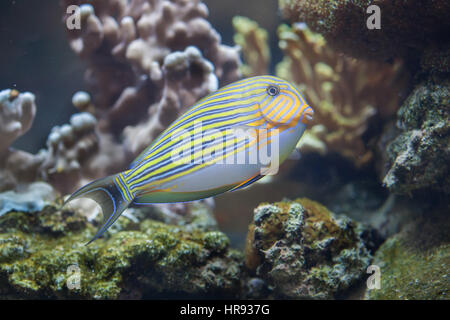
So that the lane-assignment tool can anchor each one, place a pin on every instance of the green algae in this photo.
(40, 250)
(307, 253)
(412, 275)
(415, 263)
(13, 247)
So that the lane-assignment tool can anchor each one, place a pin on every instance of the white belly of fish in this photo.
(231, 172)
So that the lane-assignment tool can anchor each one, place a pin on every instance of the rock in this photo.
(253, 42)
(414, 264)
(303, 251)
(418, 158)
(43, 255)
(406, 27)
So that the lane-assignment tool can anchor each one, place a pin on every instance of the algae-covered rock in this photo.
(419, 157)
(406, 27)
(192, 216)
(303, 251)
(43, 255)
(415, 264)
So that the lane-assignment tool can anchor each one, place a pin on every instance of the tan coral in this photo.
(253, 42)
(346, 94)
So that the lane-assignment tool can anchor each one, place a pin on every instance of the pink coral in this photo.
(148, 60)
(17, 112)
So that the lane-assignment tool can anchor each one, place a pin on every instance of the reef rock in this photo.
(418, 158)
(415, 155)
(414, 264)
(407, 28)
(43, 255)
(303, 251)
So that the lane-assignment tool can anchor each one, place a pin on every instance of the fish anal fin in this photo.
(247, 182)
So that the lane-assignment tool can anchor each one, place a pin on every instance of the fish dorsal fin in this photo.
(145, 152)
(295, 155)
(142, 155)
(139, 158)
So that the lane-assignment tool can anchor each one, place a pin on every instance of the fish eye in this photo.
(273, 90)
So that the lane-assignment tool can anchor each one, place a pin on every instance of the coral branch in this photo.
(345, 93)
(148, 60)
(253, 42)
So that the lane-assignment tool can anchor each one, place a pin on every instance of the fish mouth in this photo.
(308, 115)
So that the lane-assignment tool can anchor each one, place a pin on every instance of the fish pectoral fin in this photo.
(295, 155)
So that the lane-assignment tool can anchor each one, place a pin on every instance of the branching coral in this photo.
(75, 153)
(17, 111)
(149, 259)
(345, 93)
(148, 60)
(141, 72)
(68, 148)
(253, 41)
(188, 76)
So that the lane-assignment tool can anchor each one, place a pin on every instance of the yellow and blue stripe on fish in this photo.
(206, 148)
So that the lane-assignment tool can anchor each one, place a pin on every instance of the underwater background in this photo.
(365, 195)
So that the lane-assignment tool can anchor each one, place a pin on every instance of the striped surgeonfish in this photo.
(222, 143)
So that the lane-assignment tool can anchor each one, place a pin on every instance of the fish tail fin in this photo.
(113, 196)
